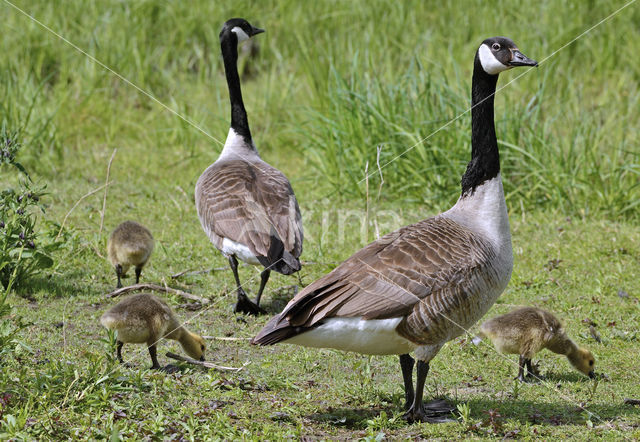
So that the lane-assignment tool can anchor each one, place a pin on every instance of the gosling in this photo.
(145, 319)
(528, 330)
(130, 244)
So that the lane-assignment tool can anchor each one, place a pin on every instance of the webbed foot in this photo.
(246, 306)
(435, 412)
(170, 368)
(533, 378)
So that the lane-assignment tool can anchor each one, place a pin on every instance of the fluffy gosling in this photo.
(145, 319)
(528, 330)
(130, 244)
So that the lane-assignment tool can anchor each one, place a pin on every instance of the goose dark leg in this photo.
(406, 364)
(138, 271)
(154, 357)
(436, 411)
(119, 274)
(244, 304)
(521, 364)
(264, 277)
(416, 412)
(119, 345)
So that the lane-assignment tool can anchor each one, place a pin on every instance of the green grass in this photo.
(70, 385)
(330, 81)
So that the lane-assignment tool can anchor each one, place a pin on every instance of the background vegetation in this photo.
(325, 86)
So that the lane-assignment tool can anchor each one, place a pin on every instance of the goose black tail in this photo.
(278, 258)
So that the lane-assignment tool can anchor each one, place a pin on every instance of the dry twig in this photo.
(197, 272)
(225, 338)
(203, 363)
(157, 288)
(106, 188)
(379, 149)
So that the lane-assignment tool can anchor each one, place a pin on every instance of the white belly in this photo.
(373, 337)
(240, 251)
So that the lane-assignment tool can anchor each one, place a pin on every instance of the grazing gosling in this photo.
(528, 330)
(130, 244)
(144, 318)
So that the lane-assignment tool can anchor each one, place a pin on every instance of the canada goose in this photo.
(130, 244)
(422, 285)
(526, 331)
(145, 319)
(247, 207)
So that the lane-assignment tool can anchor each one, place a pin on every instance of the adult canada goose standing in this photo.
(247, 207)
(420, 286)
(130, 244)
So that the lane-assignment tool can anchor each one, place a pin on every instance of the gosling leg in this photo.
(154, 357)
(521, 364)
(532, 373)
(119, 274)
(119, 345)
(138, 271)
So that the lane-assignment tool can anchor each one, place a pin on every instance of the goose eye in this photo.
(495, 47)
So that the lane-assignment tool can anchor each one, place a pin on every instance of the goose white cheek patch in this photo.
(489, 62)
(242, 36)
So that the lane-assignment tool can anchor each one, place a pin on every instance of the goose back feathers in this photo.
(437, 277)
(251, 204)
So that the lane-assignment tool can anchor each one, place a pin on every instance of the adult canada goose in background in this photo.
(130, 244)
(145, 319)
(420, 286)
(528, 330)
(247, 207)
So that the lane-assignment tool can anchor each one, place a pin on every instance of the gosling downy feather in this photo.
(130, 244)
(247, 207)
(526, 331)
(418, 287)
(145, 319)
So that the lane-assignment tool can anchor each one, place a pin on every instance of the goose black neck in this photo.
(239, 121)
(485, 158)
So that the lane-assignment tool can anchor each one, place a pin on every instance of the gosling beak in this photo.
(519, 59)
(202, 358)
(256, 31)
(592, 375)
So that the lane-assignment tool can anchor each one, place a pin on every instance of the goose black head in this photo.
(498, 54)
(242, 29)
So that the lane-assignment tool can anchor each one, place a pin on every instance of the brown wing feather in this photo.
(410, 273)
(247, 202)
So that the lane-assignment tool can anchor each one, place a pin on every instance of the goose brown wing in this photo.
(250, 203)
(391, 277)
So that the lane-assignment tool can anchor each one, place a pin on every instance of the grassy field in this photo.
(325, 86)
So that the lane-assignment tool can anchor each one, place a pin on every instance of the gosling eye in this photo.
(495, 46)
(202, 347)
(590, 362)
